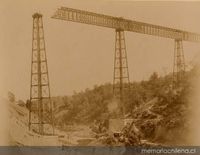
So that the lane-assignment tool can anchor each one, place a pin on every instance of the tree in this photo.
(11, 97)
(153, 77)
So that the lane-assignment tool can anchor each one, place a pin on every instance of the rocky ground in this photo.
(148, 120)
(20, 135)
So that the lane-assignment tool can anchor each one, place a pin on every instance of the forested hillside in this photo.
(158, 110)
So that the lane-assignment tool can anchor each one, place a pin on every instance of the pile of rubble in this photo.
(129, 136)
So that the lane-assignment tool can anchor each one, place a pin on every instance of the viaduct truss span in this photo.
(91, 18)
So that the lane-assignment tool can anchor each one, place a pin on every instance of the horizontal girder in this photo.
(91, 18)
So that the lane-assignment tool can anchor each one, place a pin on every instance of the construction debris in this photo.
(129, 136)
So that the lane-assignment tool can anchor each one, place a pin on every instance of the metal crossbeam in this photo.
(91, 18)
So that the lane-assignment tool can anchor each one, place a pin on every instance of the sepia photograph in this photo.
(99, 77)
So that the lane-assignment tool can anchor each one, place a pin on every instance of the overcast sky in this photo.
(80, 56)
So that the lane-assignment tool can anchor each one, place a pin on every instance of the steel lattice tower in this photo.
(179, 63)
(121, 83)
(40, 108)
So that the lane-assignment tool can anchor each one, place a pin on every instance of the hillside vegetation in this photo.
(159, 111)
